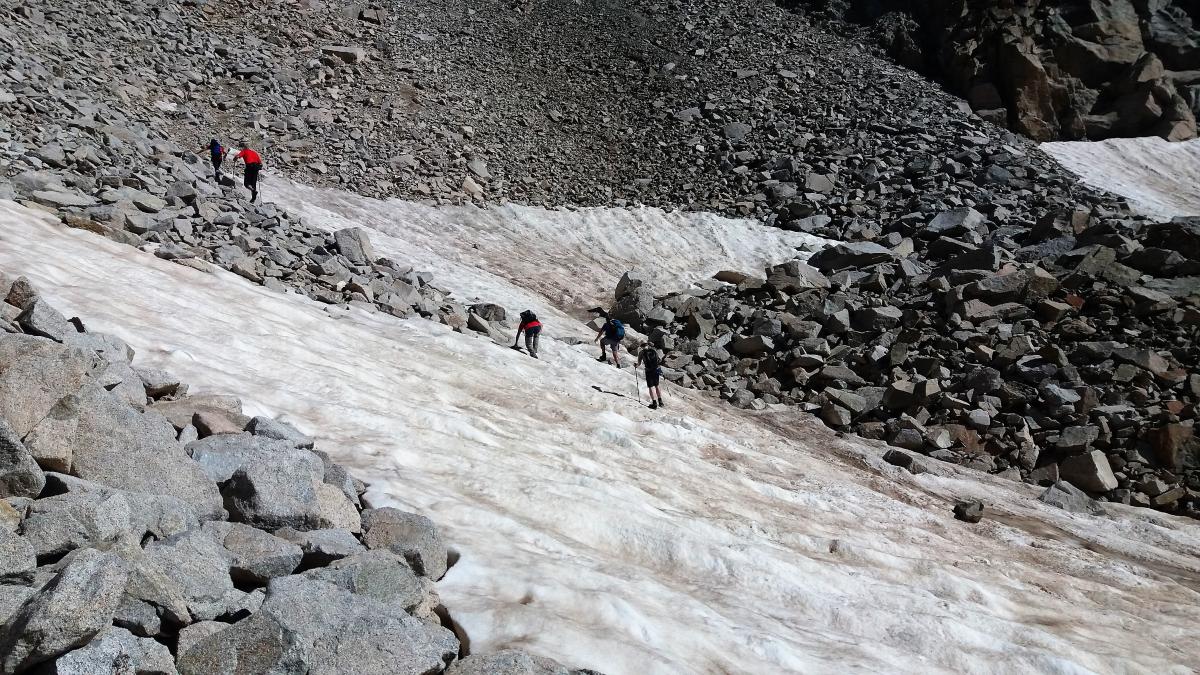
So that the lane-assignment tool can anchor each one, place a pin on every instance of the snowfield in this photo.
(700, 539)
(1158, 178)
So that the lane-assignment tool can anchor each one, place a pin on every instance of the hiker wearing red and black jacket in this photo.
(532, 329)
(253, 166)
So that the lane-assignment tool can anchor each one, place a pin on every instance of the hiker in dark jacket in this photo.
(217, 154)
(649, 358)
(532, 329)
(612, 332)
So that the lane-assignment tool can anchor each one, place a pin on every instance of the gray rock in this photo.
(905, 461)
(20, 475)
(752, 345)
(200, 566)
(34, 374)
(67, 613)
(116, 650)
(381, 575)
(157, 382)
(353, 243)
(969, 511)
(17, 558)
(182, 411)
(151, 596)
(954, 222)
(189, 636)
(322, 547)
(853, 255)
(1089, 471)
(39, 318)
(413, 536)
(287, 490)
(310, 626)
(222, 455)
(257, 556)
(277, 430)
(11, 600)
(1070, 498)
(507, 662)
(117, 446)
(1074, 439)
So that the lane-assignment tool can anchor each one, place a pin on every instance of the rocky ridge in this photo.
(146, 529)
(739, 108)
(1063, 350)
(1050, 69)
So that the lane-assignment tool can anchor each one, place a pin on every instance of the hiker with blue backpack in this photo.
(610, 335)
(217, 154)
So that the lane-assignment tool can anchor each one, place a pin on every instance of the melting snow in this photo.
(1159, 178)
(699, 540)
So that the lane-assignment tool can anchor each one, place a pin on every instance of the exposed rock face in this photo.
(1053, 70)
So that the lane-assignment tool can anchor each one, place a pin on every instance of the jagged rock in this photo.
(353, 243)
(969, 511)
(39, 318)
(20, 475)
(77, 604)
(287, 490)
(307, 625)
(277, 430)
(189, 636)
(87, 514)
(117, 650)
(34, 374)
(507, 662)
(1089, 471)
(256, 556)
(1070, 498)
(17, 557)
(407, 534)
(905, 461)
(117, 446)
(381, 575)
(201, 567)
(852, 255)
(321, 547)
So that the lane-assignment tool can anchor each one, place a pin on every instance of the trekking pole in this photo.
(637, 386)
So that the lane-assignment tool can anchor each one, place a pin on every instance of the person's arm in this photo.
(517, 337)
(598, 334)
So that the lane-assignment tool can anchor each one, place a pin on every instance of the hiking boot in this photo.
(653, 406)
(602, 359)
(661, 404)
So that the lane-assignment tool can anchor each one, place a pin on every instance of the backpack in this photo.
(650, 356)
(528, 316)
(615, 329)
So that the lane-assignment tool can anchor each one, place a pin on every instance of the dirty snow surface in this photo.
(1160, 179)
(701, 539)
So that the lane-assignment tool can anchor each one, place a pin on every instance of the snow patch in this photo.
(1160, 179)
(597, 532)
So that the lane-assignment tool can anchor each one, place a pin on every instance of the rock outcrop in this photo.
(1074, 69)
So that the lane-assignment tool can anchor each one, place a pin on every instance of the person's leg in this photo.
(616, 347)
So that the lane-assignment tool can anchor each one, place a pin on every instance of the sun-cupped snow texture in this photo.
(699, 539)
(1159, 179)
(523, 255)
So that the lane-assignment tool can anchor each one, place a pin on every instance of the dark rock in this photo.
(969, 511)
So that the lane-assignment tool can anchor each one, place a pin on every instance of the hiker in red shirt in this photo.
(532, 329)
(253, 166)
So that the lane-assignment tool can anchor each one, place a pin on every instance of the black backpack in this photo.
(650, 357)
(528, 316)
